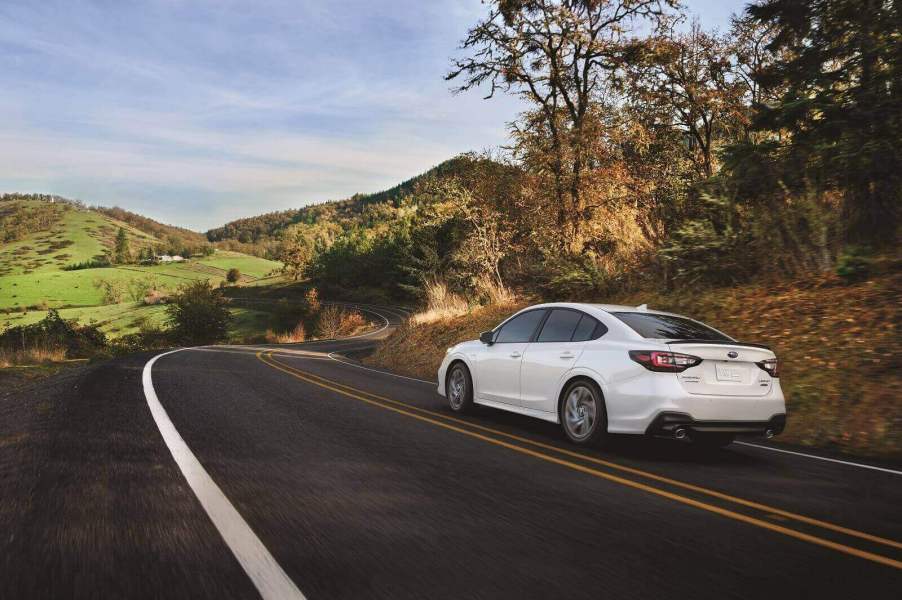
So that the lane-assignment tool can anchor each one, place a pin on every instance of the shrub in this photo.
(112, 291)
(233, 275)
(351, 322)
(155, 297)
(198, 314)
(296, 335)
(98, 262)
(51, 336)
(312, 300)
(574, 278)
(329, 324)
(854, 264)
(140, 288)
(149, 338)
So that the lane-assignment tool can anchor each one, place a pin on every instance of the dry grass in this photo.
(495, 293)
(335, 322)
(296, 335)
(441, 304)
(31, 356)
(352, 322)
(416, 349)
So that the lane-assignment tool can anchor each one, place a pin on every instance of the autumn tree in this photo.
(311, 299)
(301, 242)
(561, 56)
(484, 240)
(686, 80)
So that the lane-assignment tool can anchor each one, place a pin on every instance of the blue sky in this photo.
(196, 112)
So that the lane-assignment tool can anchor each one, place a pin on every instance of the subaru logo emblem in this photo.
(733, 354)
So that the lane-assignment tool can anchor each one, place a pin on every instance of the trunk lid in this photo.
(727, 369)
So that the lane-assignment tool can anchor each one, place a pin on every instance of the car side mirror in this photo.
(487, 337)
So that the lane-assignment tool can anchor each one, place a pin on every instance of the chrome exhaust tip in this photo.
(769, 434)
(680, 433)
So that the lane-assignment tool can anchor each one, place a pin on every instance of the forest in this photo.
(653, 154)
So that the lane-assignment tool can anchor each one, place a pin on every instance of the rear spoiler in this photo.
(722, 343)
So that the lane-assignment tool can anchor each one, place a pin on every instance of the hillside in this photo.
(269, 226)
(44, 237)
(46, 234)
(172, 234)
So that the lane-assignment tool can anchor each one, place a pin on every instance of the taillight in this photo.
(771, 365)
(668, 362)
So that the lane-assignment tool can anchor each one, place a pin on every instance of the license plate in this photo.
(728, 373)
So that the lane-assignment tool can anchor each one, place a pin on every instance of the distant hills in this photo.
(18, 217)
(267, 227)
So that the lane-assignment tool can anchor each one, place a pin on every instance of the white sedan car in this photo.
(598, 369)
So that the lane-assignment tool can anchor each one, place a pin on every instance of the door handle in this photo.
(567, 355)
(515, 354)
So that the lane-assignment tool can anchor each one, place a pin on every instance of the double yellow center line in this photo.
(528, 447)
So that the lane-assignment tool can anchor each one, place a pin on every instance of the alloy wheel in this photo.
(580, 412)
(457, 388)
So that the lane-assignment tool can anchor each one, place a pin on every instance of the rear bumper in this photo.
(667, 422)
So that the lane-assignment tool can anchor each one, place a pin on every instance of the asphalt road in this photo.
(360, 484)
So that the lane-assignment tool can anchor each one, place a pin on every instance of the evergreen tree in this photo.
(841, 67)
(122, 253)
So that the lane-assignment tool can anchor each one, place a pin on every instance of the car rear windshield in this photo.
(670, 327)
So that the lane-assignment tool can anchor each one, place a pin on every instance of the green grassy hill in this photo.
(41, 236)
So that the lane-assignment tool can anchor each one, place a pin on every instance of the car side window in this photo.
(560, 326)
(588, 329)
(520, 328)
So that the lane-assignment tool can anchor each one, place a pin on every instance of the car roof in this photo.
(610, 308)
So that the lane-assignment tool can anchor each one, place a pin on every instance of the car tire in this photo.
(459, 388)
(582, 413)
(712, 441)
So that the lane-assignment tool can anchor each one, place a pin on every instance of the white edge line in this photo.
(267, 576)
(332, 356)
(824, 458)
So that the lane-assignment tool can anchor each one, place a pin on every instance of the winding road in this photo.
(294, 471)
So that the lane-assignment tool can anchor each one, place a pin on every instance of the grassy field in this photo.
(32, 278)
(251, 266)
(76, 288)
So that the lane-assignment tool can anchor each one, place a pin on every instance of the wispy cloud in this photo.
(195, 112)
